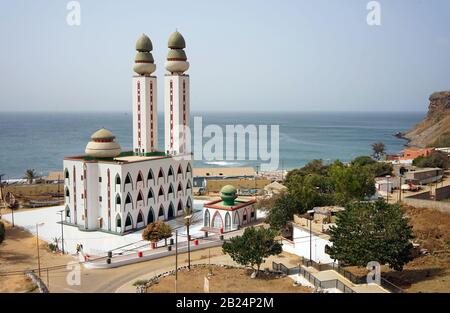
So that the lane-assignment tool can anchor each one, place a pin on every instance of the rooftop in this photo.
(223, 171)
(124, 157)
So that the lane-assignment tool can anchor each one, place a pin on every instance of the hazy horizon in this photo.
(245, 56)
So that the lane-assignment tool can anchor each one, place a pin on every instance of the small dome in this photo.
(178, 55)
(228, 194)
(144, 44)
(103, 145)
(102, 134)
(176, 41)
(144, 57)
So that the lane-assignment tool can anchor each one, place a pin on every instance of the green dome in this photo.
(228, 194)
(176, 55)
(176, 41)
(144, 44)
(144, 57)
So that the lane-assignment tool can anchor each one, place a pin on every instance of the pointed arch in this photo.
(236, 219)
(188, 169)
(118, 223)
(180, 206)
(128, 180)
(67, 215)
(150, 195)
(188, 185)
(170, 173)
(180, 187)
(150, 176)
(128, 222)
(128, 201)
(189, 202)
(244, 216)
(140, 197)
(161, 174)
(66, 173)
(180, 170)
(252, 213)
(140, 220)
(171, 212)
(217, 221)
(67, 192)
(117, 181)
(170, 191)
(151, 216)
(207, 218)
(161, 191)
(118, 201)
(161, 212)
(227, 221)
(139, 178)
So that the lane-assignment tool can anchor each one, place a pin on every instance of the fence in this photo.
(326, 284)
(350, 276)
(280, 267)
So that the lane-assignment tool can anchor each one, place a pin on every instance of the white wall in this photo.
(301, 246)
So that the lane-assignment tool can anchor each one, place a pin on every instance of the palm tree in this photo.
(30, 175)
(378, 150)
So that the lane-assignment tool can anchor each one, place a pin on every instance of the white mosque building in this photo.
(119, 191)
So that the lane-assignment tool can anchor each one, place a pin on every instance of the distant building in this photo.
(424, 176)
(228, 213)
(409, 154)
(274, 188)
(202, 174)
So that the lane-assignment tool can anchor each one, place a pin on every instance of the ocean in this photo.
(40, 141)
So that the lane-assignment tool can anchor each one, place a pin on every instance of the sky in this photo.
(245, 55)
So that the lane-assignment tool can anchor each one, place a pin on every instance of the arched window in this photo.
(189, 203)
(118, 179)
(151, 216)
(188, 185)
(180, 170)
(66, 174)
(227, 221)
(180, 206)
(188, 169)
(140, 218)
(118, 200)
(161, 211)
(139, 179)
(236, 219)
(252, 214)
(67, 192)
(217, 220)
(150, 176)
(170, 173)
(140, 197)
(180, 187)
(244, 217)
(128, 181)
(128, 222)
(161, 191)
(207, 219)
(160, 173)
(128, 201)
(171, 212)
(118, 221)
(67, 213)
(170, 189)
(150, 195)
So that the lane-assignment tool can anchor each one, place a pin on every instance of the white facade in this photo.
(176, 109)
(301, 245)
(118, 197)
(227, 219)
(145, 114)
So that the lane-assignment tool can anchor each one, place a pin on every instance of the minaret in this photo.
(176, 96)
(145, 118)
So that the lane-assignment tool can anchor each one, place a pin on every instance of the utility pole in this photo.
(400, 190)
(387, 188)
(62, 230)
(188, 222)
(176, 260)
(37, 246)
(311, 217)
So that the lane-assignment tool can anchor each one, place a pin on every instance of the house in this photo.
(274, 188)
(424, 176)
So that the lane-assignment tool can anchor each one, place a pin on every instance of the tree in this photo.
(351, 183)
(282, 209)
(30, 175)
(435, 159)
(2, 232)
(157, 231)
(378, 150)
(371, 231)
(378, 169)
(252, 247)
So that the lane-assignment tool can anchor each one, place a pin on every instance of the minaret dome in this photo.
(176, 57)
(144, 63)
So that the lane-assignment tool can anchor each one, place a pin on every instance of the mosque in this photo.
(120, 191)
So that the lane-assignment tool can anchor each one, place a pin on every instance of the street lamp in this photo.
(311, 217)
(37, 246)
(62, 230)
(387, 188)
(188, 222)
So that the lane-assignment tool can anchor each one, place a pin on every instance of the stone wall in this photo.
(443, 193)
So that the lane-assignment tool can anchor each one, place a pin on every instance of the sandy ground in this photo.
(19, 253)
(226, 280)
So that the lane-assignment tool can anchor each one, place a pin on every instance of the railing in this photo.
(326, 284)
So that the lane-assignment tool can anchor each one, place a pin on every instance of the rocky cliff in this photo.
(434, 130)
